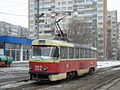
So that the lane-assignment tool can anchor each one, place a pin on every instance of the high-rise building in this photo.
(118, 58)
(112, 35)
(13, 30)
(42, 19)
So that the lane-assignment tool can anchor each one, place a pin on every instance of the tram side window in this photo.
(81, 53)
(93, 54)
(76, 52)
(71, 53)
(63, 52)
(88, 53)
(85, 53)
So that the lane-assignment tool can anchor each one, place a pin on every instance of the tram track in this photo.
(107, 82)
(85, 82)
(96, 80)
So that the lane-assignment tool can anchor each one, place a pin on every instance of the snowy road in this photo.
(19, 71)
(15, 72)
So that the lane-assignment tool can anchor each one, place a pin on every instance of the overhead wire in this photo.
(13, 14)
(14, 5)
(6, 13)
(11, 1)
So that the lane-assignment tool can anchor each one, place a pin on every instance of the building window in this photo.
(79, 1)
(100, 5)
(41, 21)
(57, 8)
(90, 0)
(70, 2)
(57, 3)
(63, 3)
(47, 32)
(100, 17)
(70, 8)
(63, 8)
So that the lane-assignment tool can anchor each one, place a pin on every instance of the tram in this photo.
(56, 60)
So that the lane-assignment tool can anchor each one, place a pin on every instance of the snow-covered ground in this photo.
(100, 64)
(18, 68)
(24, 67)
(104, 64)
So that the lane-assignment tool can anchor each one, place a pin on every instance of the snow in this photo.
(15, 84)
(18, 68)
(14, 69)
(104, 64)
(100, 64)
(20, 62)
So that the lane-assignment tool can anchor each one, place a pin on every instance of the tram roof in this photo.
(60, 43)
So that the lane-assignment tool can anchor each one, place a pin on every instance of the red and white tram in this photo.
(57, 60)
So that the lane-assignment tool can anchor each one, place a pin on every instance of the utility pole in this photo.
(37, 18)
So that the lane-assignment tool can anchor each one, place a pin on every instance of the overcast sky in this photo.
(16, 11)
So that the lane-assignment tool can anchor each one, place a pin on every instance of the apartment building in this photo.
(118, 58)
(94, 11)
(112, 35)
(12, 30)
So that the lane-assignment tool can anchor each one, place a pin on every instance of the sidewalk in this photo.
(20, 63)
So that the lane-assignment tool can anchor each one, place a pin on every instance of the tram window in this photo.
(86, 53)
(76, 52)
(71, 53)
(56, 53)
(93, 54)
(81, 53)
(90, 53)
(63, 52)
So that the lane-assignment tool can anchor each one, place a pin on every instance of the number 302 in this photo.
(38, 67)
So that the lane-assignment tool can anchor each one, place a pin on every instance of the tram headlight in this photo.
(45, 68)
(30, 68)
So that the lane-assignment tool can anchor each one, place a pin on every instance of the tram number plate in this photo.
(38, 67)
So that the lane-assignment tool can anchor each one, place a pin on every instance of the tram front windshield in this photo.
(45, 52)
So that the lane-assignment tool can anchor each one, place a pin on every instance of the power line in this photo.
(13, 14)
(11, 1)
(15, 5)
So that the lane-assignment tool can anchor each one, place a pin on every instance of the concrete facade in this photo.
(94, 11)
(13, 30)
(118, 41)
(112, 35)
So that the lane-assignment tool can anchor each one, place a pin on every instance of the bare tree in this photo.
(79, 31)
